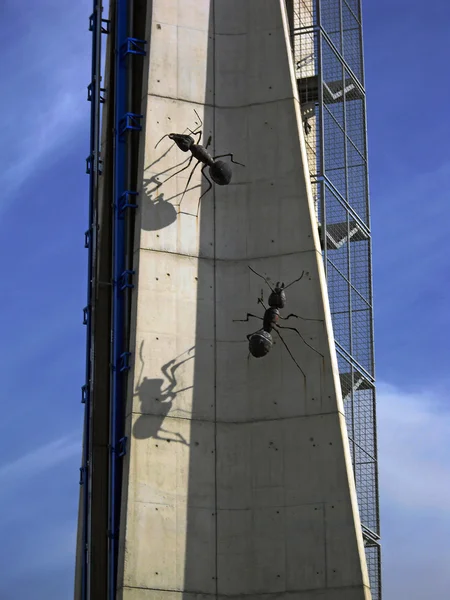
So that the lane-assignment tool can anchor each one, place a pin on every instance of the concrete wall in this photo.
(238, 479)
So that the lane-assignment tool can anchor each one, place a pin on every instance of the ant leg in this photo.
(261, 301)
(199, 118)
(199, 133)
(304, 341)
(290, 353)
(295, 281)
(262, 277)
(187, 184)
(302, 318)
(208, 142)
(177, 172)
(232, 158)
(248, 315)
(206, 191)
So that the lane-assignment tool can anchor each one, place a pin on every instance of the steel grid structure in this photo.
(328, 54)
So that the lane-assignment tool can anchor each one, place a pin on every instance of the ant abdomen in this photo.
(220, 172)
(260, 343)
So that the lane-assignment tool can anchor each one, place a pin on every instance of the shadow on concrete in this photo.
(157, 400)
(159, 212)
(200, 558)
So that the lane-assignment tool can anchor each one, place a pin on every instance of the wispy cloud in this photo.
(39, 460)
(414, 439)
(44, 103)
(414, 446)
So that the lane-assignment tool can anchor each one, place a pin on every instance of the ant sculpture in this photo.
(219, 171)
(260, 342)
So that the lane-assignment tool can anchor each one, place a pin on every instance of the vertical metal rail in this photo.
(124, 199)
(118, 357)
(93, 170)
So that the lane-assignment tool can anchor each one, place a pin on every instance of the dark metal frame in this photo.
(125, 200)
(333, 84)
(98, 26)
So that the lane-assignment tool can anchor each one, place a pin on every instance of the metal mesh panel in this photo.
(373, 565)
(351, 42)
(327, 47)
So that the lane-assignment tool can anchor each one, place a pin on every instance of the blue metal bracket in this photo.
(84, 393)
(89, 163)
(124, 202)
(133, 46)
(122, 447)
(86, 312)
(125, 280)
(82, 472)
(130, 121)
(124, 364)
(102, 93)
(106, 24)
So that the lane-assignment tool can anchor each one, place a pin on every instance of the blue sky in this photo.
(45, 58)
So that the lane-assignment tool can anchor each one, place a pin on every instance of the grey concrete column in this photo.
(237, 480)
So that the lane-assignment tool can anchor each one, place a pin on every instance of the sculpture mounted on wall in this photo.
(219, 171)
(260, 342)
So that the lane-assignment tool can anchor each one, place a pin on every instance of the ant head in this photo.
(277, 298)
(184, 142)
(279, 287)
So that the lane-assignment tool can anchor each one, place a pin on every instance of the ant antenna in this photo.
(167, 135)
(262, 277)
(295, 281)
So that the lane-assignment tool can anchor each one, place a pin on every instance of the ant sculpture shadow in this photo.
(159, 213)
(158, 401)
(260, 342)
(219, 171)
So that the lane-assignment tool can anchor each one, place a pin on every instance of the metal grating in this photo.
(327, 49)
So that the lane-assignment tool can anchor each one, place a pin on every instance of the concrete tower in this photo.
(208, 472)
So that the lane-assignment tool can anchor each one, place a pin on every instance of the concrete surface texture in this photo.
(238, 479)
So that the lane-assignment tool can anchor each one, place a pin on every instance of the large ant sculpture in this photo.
(219, 171)
(260, 342)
